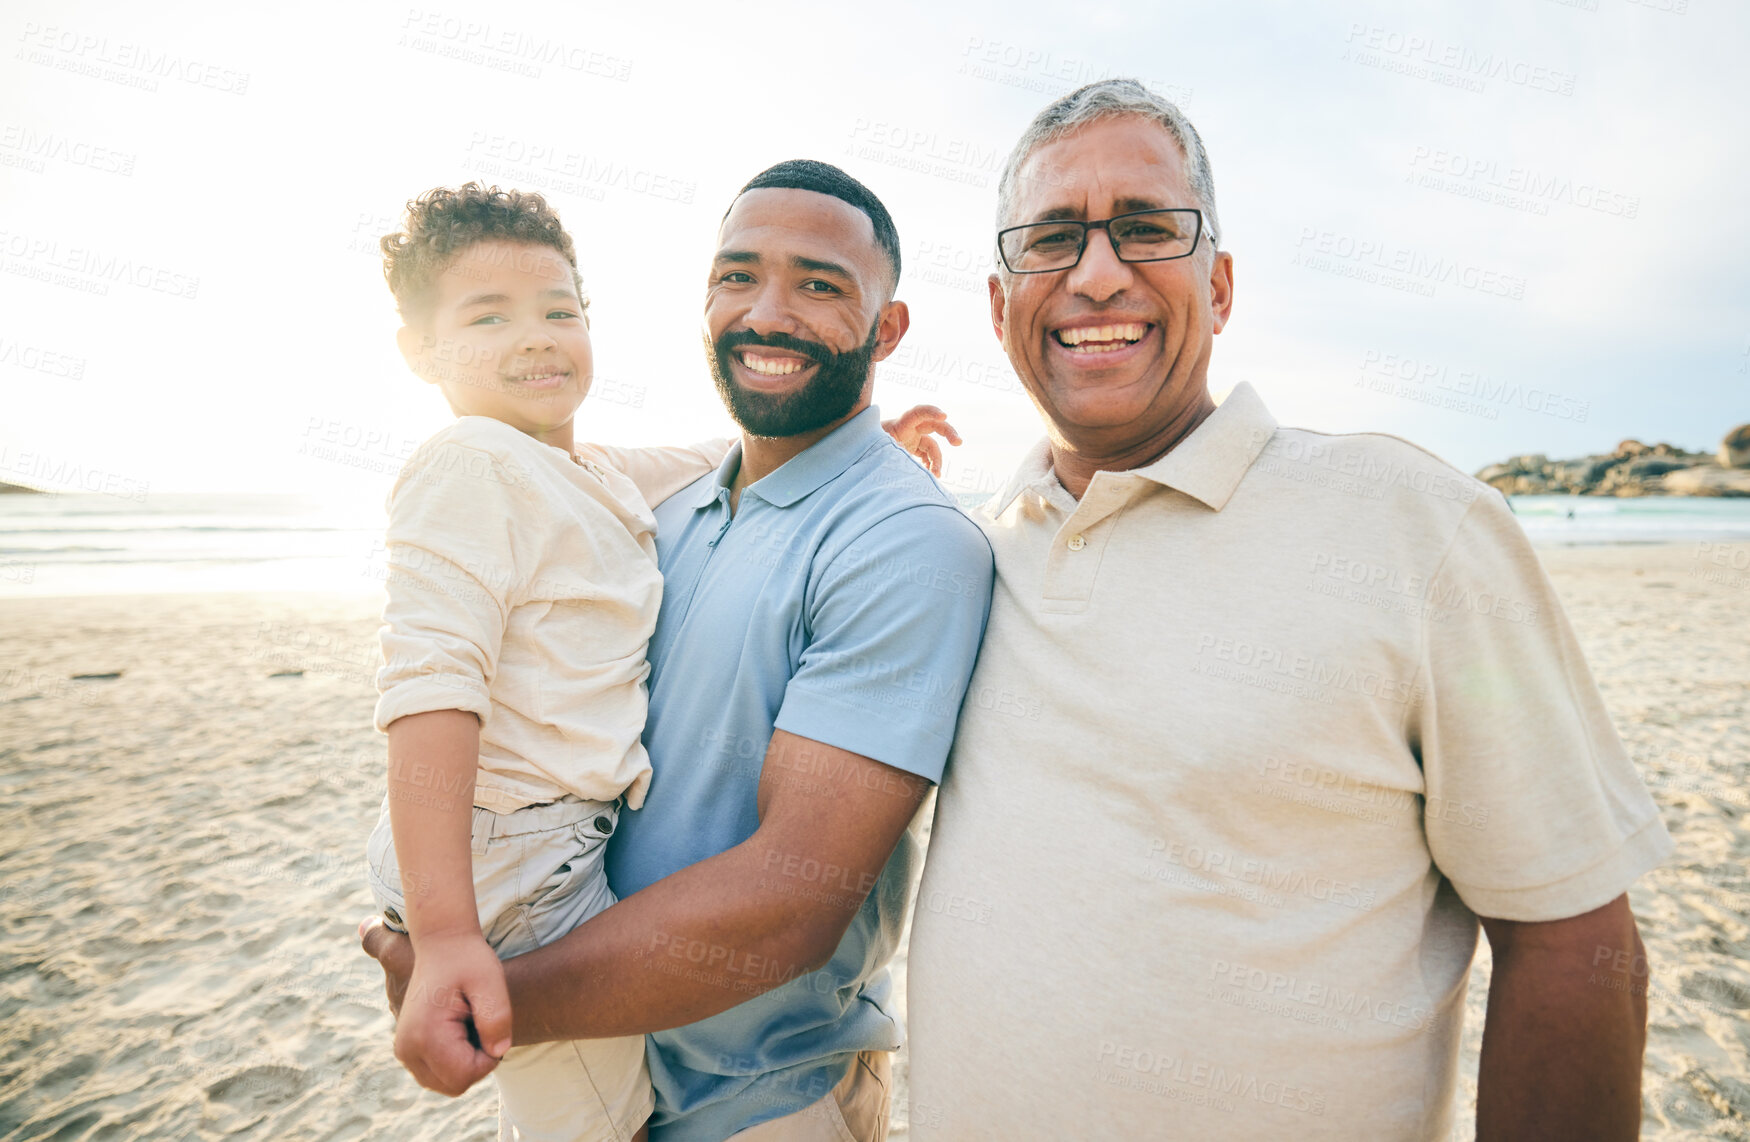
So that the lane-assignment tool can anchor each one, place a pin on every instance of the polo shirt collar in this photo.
(806, 472)
(1207, 465)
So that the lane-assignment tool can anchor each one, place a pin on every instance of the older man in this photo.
(1265, 722)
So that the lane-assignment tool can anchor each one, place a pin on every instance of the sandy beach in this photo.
(181, 837)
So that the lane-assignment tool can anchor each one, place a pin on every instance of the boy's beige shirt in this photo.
(1256, 733)
(523, 588)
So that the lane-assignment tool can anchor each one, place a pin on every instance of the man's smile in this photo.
(769, 369)
(767, 362)
(1100, 342)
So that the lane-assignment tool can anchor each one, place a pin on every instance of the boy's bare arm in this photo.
(458, 1024)
(431, 756)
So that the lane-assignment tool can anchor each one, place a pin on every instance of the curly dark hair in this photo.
(443, 222)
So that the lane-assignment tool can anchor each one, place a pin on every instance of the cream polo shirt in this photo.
(1256, 733)
(523, 588)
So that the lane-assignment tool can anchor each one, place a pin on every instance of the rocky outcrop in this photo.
(1708, 482)
(19, 489)
(1634, 469)
(1735, 448)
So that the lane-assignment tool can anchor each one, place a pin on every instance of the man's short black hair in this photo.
(824, 178)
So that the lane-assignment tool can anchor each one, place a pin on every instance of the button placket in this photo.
(1076, 550)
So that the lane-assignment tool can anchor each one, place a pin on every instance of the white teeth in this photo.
(1130, 332)
(771, 366)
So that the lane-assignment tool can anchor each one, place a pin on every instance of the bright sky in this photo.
(1491, 226)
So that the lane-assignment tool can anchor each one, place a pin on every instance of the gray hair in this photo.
(1104, 100)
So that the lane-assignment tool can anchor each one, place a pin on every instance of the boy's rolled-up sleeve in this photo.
(461, 544)
(895, 625)
(1533, 809)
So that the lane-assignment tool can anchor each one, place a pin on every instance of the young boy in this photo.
(522, 593)
(523, 590)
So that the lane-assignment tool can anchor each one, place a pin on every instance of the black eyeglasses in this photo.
(1141, 236)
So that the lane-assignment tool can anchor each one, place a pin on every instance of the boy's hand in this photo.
(912, 430)
(455, 1018)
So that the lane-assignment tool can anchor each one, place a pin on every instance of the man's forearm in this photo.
(1565, 1033)
(694, 944)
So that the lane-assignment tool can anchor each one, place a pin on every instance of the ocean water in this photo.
(1575, 520)
(197, 544)
(166, 543)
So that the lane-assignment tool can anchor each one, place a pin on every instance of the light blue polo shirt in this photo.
(844, 601)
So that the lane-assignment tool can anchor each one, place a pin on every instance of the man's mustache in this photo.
(740, 338)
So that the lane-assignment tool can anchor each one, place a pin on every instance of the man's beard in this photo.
(837, 385)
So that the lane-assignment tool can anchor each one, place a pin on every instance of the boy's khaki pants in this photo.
(537, 875)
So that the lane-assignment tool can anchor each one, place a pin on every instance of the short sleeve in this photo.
(895, 624)
(1533, 809)
(659, 473)
(461, 546)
